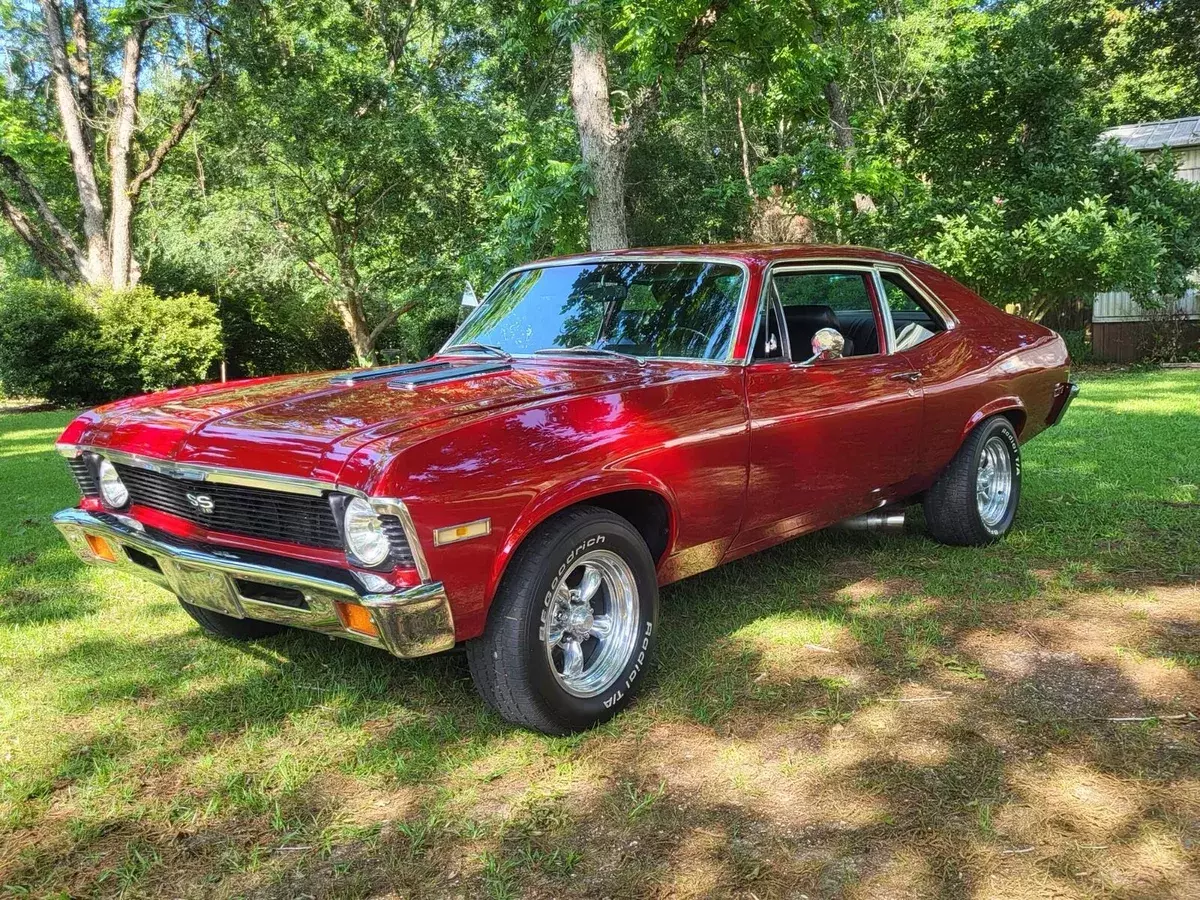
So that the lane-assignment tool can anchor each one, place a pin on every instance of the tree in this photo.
(97, 116)
(355, 139)
(605, 140)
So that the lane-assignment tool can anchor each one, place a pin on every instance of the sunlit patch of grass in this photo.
(849, 714)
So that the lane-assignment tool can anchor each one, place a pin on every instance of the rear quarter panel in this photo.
(680, 432)
(991, 363)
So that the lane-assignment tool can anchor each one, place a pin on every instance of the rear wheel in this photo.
(233, 629)
(975, 500)
(571, 628)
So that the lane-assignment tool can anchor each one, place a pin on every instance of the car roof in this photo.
(749, 253)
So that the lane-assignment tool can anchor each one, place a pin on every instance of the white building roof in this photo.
(1156, 135)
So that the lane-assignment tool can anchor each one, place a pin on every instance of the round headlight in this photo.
(364, 533)
(112, 489)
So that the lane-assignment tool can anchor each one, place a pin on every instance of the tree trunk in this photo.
(350, 308)
(741, 123)
(121, 209)
(843, 136)
(98, 267)
(105, 258)
(600, 143)
(81, 65)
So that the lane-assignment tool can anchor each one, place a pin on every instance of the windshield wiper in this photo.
(585, 350)
(489, 349)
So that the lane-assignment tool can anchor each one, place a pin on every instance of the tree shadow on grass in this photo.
(757, 762)
(766, 755)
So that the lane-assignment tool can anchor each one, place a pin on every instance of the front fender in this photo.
(563, 495)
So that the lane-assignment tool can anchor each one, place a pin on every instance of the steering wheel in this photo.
(700, 334)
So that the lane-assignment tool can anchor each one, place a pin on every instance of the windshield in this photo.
(666, 309)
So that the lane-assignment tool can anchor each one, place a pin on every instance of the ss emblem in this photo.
(201, 502)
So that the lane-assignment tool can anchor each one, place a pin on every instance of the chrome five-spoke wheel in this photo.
(994, 481)
(592, 623)
(572, 627)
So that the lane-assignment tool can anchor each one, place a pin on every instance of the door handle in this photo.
(910, 377)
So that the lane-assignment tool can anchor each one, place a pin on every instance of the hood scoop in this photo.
(437, 373)
(386, 372)
(410, 375)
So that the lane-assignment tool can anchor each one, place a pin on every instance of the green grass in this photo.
(768, 756)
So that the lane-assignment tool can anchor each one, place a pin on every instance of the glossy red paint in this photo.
(741, 456)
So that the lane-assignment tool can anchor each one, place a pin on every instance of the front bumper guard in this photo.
(410, 622)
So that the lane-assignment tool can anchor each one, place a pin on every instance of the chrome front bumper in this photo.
(410, 622)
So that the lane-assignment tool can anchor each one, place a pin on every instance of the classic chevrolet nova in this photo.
(600, 426)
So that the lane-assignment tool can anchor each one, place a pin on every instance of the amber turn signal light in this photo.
(101, 548)
(357, 618)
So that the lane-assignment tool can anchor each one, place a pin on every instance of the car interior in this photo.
(802, 303)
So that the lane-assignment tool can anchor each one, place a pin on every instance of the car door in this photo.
(830, 438)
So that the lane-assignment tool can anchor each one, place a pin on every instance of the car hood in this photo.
(307, 426)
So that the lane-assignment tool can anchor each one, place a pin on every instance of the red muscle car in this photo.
(598, 427)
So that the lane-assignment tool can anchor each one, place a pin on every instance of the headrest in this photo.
(814, 316)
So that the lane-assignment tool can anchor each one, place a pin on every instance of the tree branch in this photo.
(81, 66)
(173, 137)
(66, 243)
(388, 320)
(313, 266)
(647, 99)
(46, 256)
(82, 162)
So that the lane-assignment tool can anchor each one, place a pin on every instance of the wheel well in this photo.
(1017, 418)
(645, 510)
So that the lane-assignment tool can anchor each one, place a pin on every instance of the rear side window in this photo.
(913, 321)
(815, 300)
(840, 291)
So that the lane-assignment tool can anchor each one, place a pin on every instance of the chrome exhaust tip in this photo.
(876, 520)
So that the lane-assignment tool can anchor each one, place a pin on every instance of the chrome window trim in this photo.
(589, 259)
(885, 311)
(949, 320)
(264, 480)
(840, 262)
(831, 264)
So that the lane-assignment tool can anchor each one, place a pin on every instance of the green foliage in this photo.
(161, 342)
(383, 154)
(80, 348)
(49, 345)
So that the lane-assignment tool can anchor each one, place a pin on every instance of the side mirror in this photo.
(827, 344)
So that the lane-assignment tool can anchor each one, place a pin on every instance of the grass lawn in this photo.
(849, 715)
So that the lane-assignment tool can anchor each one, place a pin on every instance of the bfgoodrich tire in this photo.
(975, 500)
(230, 628)
(572, 627)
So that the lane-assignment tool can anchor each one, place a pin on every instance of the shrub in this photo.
(50, 346)
(159, 342)
(87, 347)
(1078, 345)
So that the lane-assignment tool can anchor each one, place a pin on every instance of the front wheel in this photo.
(231, 628)
(571, 629)
(975, 500)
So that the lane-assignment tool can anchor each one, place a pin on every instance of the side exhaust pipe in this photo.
(876, 520)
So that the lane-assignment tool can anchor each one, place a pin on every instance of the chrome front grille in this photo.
(272, 515)
(253, 512)
(84, 477)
